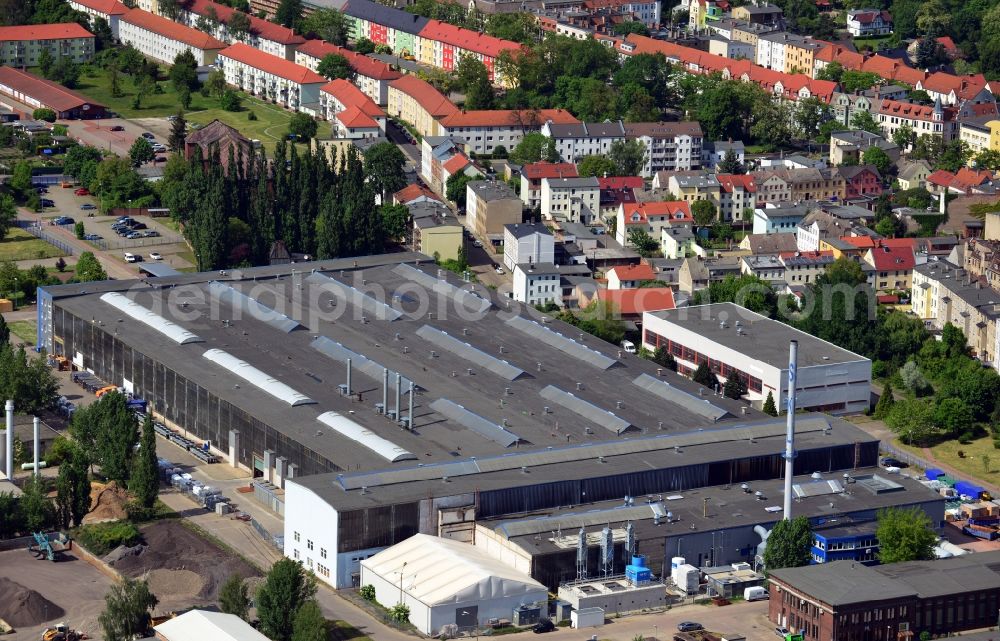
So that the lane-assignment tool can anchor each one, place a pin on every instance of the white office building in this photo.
(735, 341)
(670, 146)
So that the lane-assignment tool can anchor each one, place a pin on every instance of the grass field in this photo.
(270, 127)
(95, 84)
(862, 43)
(20, 245)
(26, 330)
(972, 464)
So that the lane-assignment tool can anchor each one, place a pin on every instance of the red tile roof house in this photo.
(370, 75)
(40, 93)
(650, 217)
(485, 130)
(631, 303)
(414, 193)
(617, 191)
(533, 174)
(20, 46)
(271, 78)
(353, 114)
(964, 182)
(267, 36)
(628, 277)
(893, 266)
(161, 39)
(110, 10)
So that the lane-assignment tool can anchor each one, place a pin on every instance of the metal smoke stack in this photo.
(793, 363)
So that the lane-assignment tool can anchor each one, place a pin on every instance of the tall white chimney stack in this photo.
(793, 363)
(9, 457)
(38, 448)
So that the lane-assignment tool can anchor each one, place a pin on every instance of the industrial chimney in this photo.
(793, 363)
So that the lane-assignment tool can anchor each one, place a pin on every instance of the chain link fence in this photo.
(38, 231)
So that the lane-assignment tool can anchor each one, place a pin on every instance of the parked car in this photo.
(93, 237)
(82, 191)
(689, 626)
(781, 631)
(63, 220)
(155, 256)
(118, 128)
(499, 270)
(148, 136)
(888, 461)
(48, 202)
(152, 233)
(159, 148)
(131, 258)
(477, 243)
(136, 225)
(133, 235)
(43, 190)
(88, 206)
(628, 346)
(543, 625)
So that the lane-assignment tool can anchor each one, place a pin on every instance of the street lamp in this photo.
(14, 295)
(401, 582)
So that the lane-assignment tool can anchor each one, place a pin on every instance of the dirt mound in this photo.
(171, 546)
(174, 584)
(20, 606)
(123, 551)
(107, 503)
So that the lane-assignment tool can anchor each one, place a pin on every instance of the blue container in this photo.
(933, 473)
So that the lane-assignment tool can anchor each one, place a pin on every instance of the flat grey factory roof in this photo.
(763, 339)
(576, 461)
(354, 322)
(844, 582)
(729, 506)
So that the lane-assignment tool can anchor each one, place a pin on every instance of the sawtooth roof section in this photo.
(666, 391)
(257, 378)
(467, 299)
(368, 367)
(356, 297)
(561, 342)
(474, 422)
(134, 310)
(586, 409)
(447, 342)
(238, 300)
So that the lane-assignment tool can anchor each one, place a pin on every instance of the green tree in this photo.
(79, 230)
(704, 376)
(141, 152)
(302, 126)
(400, 613)
(329, 24)
(905, 534)
(364, 46)
(810, 115)
(289, 13)
(455, 188)
(145, 480)
(89, 269)
(285, 589)
(903, 137)
(384, 165)
(45, 62)
(234, 597)
(127, 610)
(66, 72)
(21, 178)
(703, 213)
(11, 518)
(184, 72)
(953, 417)
(215, 84)
(473, 79)
(239, 25)
(530, 149)
(629, 156)
(309, 624)
(116, 438)
(912, 420)
(644, 244)
(788, 544)
(44, 113)
(8, 214)
(73, 487)
(832, 71)
(334, 66)
(178, 132)
(730, 164)
(35, 505)
(769, 407)
(395, 220)
(663, 358)
(864, 120)
(876, 156)
(852, 81)
(735, 387)
(29, 383)
(231, 101)
(4, 332)
(596, 165)
(885, 402)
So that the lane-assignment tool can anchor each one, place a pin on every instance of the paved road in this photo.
(114, 268)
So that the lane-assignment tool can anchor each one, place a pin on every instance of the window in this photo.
(309, 544)
(295, 554)
(322, 553)
(296, 537)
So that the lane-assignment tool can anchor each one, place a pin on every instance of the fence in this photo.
(276, 541)
(125, 243)
(906, 457)
(38, 231)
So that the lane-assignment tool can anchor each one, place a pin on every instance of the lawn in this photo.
(20, 245)
(862, 43)
(270, 127)
(26, 330)
(95, 84)
(971, 463)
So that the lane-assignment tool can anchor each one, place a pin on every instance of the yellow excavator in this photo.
(62, 632)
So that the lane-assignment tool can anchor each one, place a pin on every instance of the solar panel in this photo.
(474, 422)
(257, 378)
(238, 300)
(586, 409)
(690, 402)
(464, 297)
(472, 354)
(368, 304)
(147, 317)
(561, 342)
(360, 362)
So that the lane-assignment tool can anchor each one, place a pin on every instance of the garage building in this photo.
(446, 582)
(39, 93)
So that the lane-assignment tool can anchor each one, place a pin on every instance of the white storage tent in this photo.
(444, 581)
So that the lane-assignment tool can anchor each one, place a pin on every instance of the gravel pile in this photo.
(20, 606)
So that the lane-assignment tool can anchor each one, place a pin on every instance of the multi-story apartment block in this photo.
(779, 218)
(783, 185)
(750, 33)
(720, 46)
(713, 153)
(108, 10)
(787, 52)
(527, 243)
(759, 13)
(21, 46)
(893, 266)
(486, 130)
(436, 230)
(670, 146)
(847, 147)
(936, 120)
(162, 39)
(440, 159)
(489, 206)
(953, 90)
(860, 181)
(803, 268)
(370, 75)
(533, 174)
(650, 217)
(353, 114)
(945, 293)
(737, 195)
(690, 186)
(865, 23)
(267, 36)
(269, 77)
(415, 101)
(575, 200)
(581, 139)
(644, 11)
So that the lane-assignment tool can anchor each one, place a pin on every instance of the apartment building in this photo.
(269, 77)
(847, 147)
(486, 130)
(679, 241)
(489, 206)
(945, 293)
(760, 13)
(440, 159)
(436, 231)
(787, 52)
(769, 269)
(737, 195)
(644, 11)
(650, 217)
(803, 268)
(162, 39)
(713, 152)
(692, 186)
(443, 45)
(527, 243)
(867, 23)
(982, 259)
(776, 218)
(630, 276)
(924, 120)
(819, 226)
(574, 200)
(267, 36)
(952, 89)
(846, 106)
(370, 75)
(537, 284)
(893, 265)
(416, 102)
(734, 49)
(575, 141)
(108, 10)
(750, 33)
(860, 181)
(784, 185)
(353, 114)
(670, 146)
(534, 173)
(21, 46)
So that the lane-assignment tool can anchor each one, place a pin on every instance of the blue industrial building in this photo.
(855, 542)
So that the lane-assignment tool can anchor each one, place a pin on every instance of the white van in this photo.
(628, 346)
(755, 594)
